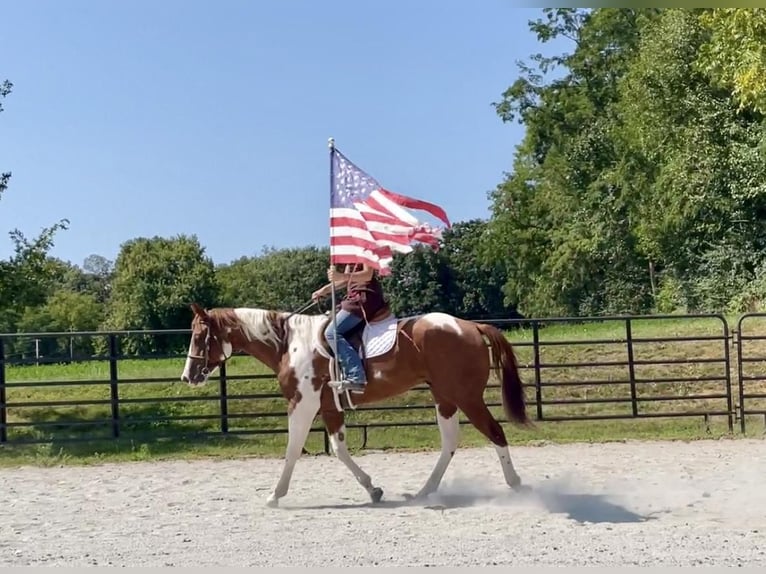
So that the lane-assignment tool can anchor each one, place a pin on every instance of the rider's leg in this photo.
(349, 359)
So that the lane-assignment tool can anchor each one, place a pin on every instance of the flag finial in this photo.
(331, 143)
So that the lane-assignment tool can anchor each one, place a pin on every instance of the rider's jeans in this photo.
(350, 362)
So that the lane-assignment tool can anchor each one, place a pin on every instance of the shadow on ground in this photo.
(593, 508)
(578, 506)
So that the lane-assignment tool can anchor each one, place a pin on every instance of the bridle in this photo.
(206, 356)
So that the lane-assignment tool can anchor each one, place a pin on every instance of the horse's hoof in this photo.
(272, 501)
(376, 494)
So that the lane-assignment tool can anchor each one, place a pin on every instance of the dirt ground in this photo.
(647, 503)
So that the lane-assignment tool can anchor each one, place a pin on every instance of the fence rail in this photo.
(103, 394)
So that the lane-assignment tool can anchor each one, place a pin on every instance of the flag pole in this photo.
(336, 363)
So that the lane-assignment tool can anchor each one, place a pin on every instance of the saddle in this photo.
(370, 338)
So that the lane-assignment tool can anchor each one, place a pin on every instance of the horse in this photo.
(450, 355)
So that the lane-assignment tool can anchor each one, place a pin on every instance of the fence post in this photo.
(3, 408)
(538, 381)
(224, 398)
(631, 367)
(741, 377)
(727, 367)
(113, 388)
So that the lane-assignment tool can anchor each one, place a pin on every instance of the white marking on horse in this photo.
(449, 429)
(186, 375)
(256, 325)
(511, 477)
(306, 405)
(443, 321)
(338, 443)
(226, 350)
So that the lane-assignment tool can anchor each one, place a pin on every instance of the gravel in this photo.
(640, 503)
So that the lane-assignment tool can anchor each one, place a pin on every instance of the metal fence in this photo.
(91, 392)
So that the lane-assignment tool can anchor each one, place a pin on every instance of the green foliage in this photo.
(26, 278)
(670, 296)
(155, 280)
(696, 166)
(420, 281)
(460, 278)
(735, 54)
(640, 183)
(65, 310)
(476, 278)
(752, 296)
(560, 219)
(276, 279)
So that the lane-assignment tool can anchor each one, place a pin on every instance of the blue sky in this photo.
(148, 118)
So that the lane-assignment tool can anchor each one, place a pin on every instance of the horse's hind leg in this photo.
(479, 415)
(336, 428)
(449, 429)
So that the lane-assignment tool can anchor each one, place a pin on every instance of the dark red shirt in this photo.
(365, 299)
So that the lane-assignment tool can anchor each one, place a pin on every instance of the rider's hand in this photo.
(331, 274)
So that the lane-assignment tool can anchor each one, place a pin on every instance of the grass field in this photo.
(691, 368)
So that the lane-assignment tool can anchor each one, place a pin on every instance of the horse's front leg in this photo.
(334, 421)
(299, 424)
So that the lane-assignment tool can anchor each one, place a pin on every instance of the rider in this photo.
(364, 300)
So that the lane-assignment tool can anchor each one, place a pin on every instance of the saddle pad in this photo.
(379, 337)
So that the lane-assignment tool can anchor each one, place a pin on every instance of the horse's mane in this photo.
(274, 327)
(224, 318)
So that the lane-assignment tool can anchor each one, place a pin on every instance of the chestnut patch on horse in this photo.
(294, 400)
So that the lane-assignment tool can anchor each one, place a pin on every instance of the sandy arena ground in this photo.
(622, 503)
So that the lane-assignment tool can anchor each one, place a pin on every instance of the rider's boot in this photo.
(352, 379)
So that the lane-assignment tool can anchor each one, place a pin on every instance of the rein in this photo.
(303, 308)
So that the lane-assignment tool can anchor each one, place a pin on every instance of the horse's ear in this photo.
(199, 311)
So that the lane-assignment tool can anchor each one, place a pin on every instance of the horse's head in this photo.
(208, 349)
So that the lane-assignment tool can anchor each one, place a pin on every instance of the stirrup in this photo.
(347, 385)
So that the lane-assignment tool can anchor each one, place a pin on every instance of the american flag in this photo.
(369, 223)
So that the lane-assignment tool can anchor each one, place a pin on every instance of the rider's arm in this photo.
(326, 289)
(362, 276)
(343, 280)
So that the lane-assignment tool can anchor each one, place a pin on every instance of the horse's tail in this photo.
(503, 358)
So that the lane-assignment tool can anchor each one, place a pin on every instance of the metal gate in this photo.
(751, 366)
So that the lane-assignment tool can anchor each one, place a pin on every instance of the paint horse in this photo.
(448, 354)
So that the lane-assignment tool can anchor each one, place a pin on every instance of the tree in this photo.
(693, 165)
(477, 279)
(98, 274)
(155, 280)
(64, 311)
(560, 220)
(734, 55)
(276, 279)
(26, 278)
(420, 282)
